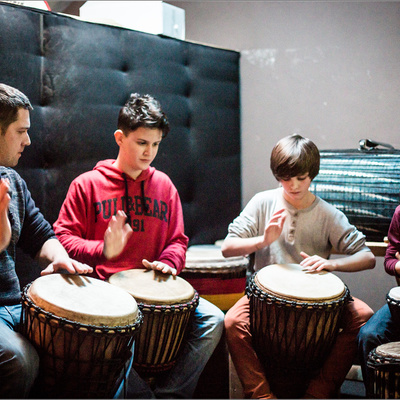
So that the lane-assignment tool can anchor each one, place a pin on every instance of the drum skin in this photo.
(384, 367)
(293, 323)
(168, 304)
(220, 280)
(81, 332)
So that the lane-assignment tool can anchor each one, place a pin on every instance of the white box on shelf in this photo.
(154, 17)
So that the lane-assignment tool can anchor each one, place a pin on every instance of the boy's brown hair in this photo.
(293, 156)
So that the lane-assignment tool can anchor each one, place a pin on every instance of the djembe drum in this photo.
(168, 304)
(83, 330)
(220, 280)
(294, 319)
(384, 369)
(393, 301)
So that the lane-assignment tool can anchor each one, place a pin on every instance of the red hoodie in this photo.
(95, 196)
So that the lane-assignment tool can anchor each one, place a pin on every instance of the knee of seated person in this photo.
(232, 324)
(20, 365)
(366, 334)
(210, 312)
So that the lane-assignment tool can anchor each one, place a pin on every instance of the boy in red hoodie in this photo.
(125, 214)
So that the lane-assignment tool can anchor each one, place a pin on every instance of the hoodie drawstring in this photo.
(128, 215)
(144, 205)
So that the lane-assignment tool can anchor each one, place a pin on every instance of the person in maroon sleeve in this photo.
(125, 214)
(381, 328)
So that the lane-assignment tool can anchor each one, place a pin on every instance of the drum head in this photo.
(390, 350)
(394, 293)
(201, 256)
(153, 287)
(83, 299)
(291, 282)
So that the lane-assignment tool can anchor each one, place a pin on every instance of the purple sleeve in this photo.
(394, 243)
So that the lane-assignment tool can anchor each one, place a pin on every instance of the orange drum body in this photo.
(294, 320)
(220, 280)
(384, 365)
(83, 330)
(168, 303)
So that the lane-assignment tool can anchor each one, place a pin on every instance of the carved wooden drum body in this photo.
(168, 304)
(220, 280)
(83, 329)
(294, 319)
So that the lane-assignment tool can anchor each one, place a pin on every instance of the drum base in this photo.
(288, 384)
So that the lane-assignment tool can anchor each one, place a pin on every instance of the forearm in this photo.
(50, 251)
(5, 226)
(235, 247)
(357, 262)
(83, 250)
(5, 232)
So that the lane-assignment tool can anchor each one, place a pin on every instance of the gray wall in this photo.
(328, 70)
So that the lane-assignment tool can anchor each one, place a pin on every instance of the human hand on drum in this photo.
(62, 263)
(5, 226)
(159, 266)
(316, 263)
(116, 236)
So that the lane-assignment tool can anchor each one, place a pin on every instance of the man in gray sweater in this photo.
(22, 225)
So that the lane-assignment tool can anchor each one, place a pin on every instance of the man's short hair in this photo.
(11, 100)
(142, 111)
(293, 156)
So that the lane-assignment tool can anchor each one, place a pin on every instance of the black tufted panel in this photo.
(78, 75)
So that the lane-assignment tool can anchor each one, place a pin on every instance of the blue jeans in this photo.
(19, 361)
(181, 380)
(380, 329)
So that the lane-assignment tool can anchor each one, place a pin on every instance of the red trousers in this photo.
(333, 372)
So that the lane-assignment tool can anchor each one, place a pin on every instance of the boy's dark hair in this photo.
(294, 155)
(11, 100)
(142, 111)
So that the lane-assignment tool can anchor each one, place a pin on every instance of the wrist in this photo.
(259, 245)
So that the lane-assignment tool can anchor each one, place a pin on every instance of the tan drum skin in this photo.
(83, 299)
(289, 281)
(153, 287)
